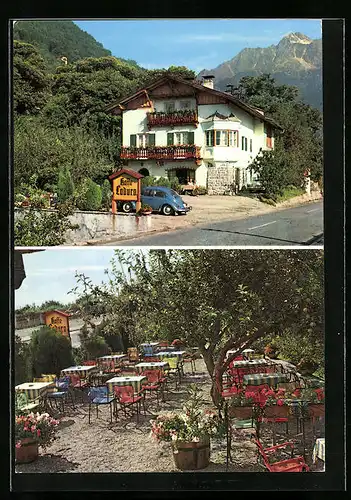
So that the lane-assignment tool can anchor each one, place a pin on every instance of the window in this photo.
(184, 104)
(160, 194)
(222, 138)
(146, 192)
(132, 140)
(180, 138)
(269, 135)
(145, 140)
(169, 107)
(244, 143)
(250, 145)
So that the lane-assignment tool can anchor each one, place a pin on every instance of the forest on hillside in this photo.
(65, 143)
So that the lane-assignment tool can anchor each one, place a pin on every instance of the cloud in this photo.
(223, 37)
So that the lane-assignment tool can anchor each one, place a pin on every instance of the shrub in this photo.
(89, 196)
(163, 181)
(50, 351)
(65, 186)
(106, 195)
(95, 346)
(79, 355)
(42, 228)
(175, 184)
(22, 361)
(201, 190)
(148, 180)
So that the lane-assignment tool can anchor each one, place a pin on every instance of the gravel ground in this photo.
(127, 446)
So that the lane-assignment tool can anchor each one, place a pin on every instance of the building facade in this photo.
(186, 129)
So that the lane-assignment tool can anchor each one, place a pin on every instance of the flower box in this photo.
(241, 412)
(192, 455)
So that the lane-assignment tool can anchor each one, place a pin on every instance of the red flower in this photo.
(280, 402)
(297, 392)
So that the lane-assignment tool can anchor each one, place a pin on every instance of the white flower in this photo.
(196, 439)
(174, 437)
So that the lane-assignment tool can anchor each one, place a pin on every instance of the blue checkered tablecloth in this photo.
(264, 378)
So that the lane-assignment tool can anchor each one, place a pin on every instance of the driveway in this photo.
(213, 209)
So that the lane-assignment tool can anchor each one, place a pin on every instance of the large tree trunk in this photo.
(222, 364)
(208, 359)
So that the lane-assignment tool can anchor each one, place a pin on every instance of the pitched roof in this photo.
(198, 86)
(58, 312)
(132, 173)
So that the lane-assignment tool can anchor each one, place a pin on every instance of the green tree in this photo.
(50, 351)
(89, 196)
(22, 361)
(65, 185)
(31, 84)
(106, 195)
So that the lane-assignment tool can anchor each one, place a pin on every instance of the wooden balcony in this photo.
(162, 153)
(184, 117)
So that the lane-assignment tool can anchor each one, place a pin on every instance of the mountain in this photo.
(56, 39)
(296, 60)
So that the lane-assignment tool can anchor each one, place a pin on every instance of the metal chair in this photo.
(291, 464)
(174, 369)
(62, 394)
(100, 396)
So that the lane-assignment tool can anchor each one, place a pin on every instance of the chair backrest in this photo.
(63, 383)
(90, 362)
(152, 375)
(97, 392)
(39, 379)
(163, 343)
(123, 392)
(75, 379)
(49, 377)
(263, 454)
(172, 362)
(133, 354)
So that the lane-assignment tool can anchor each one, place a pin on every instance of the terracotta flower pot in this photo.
(242, 412)
(192, 455)
(28, 452)
(276, 411)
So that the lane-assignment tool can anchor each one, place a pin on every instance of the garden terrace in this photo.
(184, 117)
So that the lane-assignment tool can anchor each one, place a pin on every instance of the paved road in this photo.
(294, 226)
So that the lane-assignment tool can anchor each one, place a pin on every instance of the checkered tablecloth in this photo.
(34, 390)
(157, 365)
(264, 378)
(319, 450)
(113, 357)
(172, 354)
(82, 371)
(135, 381)
(246, 363)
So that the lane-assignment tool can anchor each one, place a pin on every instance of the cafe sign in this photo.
(58, 320)
(126, 186)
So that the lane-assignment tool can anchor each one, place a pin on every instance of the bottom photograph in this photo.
(178, 360)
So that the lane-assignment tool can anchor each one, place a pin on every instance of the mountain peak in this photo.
(297, 38)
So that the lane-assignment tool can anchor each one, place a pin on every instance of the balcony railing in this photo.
(172, 118)
(161, 153)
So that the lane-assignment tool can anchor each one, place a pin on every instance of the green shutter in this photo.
(191, 138)
(151, 139)
(132, 140)
(170, 139)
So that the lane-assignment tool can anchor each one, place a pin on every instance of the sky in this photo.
(50, 274)
(195, 43)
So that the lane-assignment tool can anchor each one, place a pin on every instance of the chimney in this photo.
(208, 81)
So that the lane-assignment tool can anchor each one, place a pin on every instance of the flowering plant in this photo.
(312, 395)
(194, 423)
(38, 426)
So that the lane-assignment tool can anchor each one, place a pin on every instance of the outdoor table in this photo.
(319, 451)
(35, 390)
(136, 381)
(113, 357)
(157, 365)
(82, 371)
(248, 363)
(172, 354)
(271, 379)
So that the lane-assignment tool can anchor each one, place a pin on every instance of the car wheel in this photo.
(127, 207)
(167, 210)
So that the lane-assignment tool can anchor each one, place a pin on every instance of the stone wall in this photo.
(95, 226)
(219, 178)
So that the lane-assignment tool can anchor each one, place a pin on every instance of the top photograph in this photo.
(186, 132)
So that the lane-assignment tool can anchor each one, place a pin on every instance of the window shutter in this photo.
(190, 137)
(170, 139)
(133, 140)
(151, 139)
(243, 143)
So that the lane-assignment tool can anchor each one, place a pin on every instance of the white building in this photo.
(183, 128)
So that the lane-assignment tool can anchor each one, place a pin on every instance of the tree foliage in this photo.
(89, 196)
(214, 299)
(65, 185)
(50, 351)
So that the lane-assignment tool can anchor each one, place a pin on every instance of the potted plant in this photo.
(189, 431)
(145, 209)
(31, 431)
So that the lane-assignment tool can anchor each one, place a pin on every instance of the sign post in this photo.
(58, 320)
(126, 186)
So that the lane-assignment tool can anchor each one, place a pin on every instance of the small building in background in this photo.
(58, 320)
